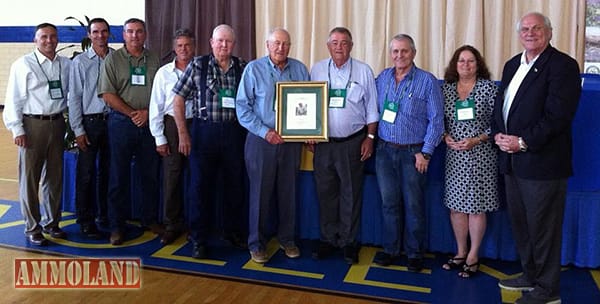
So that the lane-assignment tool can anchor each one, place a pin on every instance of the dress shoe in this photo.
(415, 265)
(199, 251)
(36, 239)
(55, 232)
(169, 237)
(383, 259)
(116, 237)
(237, 240)
(351, 254)
(90, 231)
(322, 250)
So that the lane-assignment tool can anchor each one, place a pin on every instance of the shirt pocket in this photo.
(356, 93)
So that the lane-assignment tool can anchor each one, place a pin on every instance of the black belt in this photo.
(45, 117)
(353, 136)
(97, 116)
(404, 146)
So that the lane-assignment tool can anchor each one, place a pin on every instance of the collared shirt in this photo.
(515, 83)
(28, 91)
(83, 81)
(360, 108)
(420, 117)
(256, 93)
(161, 100)
(189, 85)
(115, 77)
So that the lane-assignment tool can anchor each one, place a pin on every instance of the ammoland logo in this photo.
(76, 273)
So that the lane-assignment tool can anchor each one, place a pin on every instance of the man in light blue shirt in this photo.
(339, 163)
(272, 164)
(411, 126)
(87, 117)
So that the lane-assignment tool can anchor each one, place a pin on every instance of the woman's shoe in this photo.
(454, 263)
(469, 270)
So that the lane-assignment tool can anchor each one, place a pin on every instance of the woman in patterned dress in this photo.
(471, 173)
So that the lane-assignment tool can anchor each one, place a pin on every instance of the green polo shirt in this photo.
(115, 77)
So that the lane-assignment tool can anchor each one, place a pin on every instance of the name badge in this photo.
(55, 89)
(138, 76)
(465, 109)
(227, 98)
(390, 112)
(337, 98)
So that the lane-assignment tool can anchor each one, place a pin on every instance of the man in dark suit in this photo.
(532, 127)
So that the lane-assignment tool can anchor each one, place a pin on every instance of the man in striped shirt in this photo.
(411, 126)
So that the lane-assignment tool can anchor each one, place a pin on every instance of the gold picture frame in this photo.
(302, 110)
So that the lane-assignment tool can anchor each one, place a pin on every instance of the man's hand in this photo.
(163, 150)
(21, 141)
(82, 142)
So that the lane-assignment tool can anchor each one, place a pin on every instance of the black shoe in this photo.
(117, 237)
(37, 239)
(351, 254)
(415, 265)
(383, 259)
(169, 237)
(321, 250)
(90, 231)
(55, 232)
(236, 241)
(199, 251)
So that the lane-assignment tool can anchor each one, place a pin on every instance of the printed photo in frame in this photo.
(302, 111)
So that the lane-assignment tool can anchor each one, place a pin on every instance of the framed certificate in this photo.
(302, 111)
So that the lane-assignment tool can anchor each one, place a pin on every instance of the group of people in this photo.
(212, 118)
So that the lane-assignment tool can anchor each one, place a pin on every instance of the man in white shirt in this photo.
(339, 163)
(35, 100)
(164, 130)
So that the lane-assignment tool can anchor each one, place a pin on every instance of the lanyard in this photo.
(403, 89)
(44, 72)
(329, 74)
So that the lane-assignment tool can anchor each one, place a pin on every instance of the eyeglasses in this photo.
(535, 29)
(462, 61)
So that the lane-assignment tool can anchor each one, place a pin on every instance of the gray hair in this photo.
(406, 37)
(278, 29)
(547, 22)
(226, 27)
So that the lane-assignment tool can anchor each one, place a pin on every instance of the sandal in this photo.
(469, 270)
(454, 263)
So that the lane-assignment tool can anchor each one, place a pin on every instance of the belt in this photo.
(45, 117)
(97, 116)
(403, 146)
(353, 136)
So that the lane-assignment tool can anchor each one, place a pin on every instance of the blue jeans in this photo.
(127, 141)
(402, 190)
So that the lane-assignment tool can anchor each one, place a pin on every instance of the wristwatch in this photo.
(522, 145)
(426, 156)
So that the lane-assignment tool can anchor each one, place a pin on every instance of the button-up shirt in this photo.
(216, 79)
(360, 106)
(256, 93)
(420, 117)
(161, 101)
(28, 91)
(83, 81)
